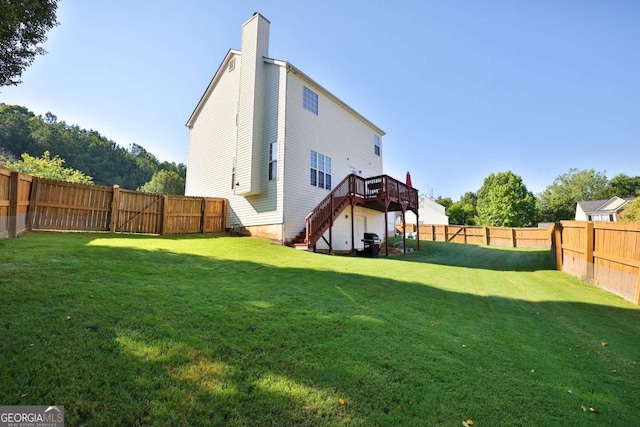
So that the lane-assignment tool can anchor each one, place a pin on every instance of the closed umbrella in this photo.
(408, 182)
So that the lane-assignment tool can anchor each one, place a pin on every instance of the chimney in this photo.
(254, 48)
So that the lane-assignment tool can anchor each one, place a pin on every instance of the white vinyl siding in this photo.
(212, 148)
(336, 133)
(341, 234)
(266, 207)
(212, 139)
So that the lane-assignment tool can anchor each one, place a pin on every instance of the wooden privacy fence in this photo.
(489, 236)
(30, 203)
(605, 254)
(14, 202)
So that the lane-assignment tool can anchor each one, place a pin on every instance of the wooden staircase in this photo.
(381, 193)
(298, 242)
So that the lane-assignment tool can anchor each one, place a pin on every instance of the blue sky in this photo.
(463, 89)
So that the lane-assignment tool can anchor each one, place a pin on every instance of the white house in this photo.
(430, 212)
(276, 144)
(601, 210)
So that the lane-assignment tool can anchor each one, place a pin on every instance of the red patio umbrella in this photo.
(408, 182)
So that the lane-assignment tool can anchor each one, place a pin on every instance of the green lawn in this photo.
(217, 330)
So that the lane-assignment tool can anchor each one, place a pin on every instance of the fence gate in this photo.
(139, 212)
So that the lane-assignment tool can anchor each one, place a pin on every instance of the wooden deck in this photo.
(381, 193)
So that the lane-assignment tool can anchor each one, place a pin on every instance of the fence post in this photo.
(486, 236)
(203, 215)
(14, 181)
(638, 288)
(114, 209)
(557, 241)
(446, 233)
(588, 253)
(165, 209)
(464, 232)
(513, 237)
(225, 207)
(433, 233)
(33, 203)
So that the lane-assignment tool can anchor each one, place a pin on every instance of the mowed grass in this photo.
(217, 330)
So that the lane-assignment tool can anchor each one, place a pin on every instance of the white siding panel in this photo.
(255, 42)
(212, 146)
(266, 208)
(334, 132)
(341, 233)
(212, 139)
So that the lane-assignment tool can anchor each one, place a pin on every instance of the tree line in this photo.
(504, 201)
(31, 144)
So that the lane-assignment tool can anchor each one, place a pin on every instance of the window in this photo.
(320, 175)
(376, 145)
(310, 100)
(320, 170)
(273, 161)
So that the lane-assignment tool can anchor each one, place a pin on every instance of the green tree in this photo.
(558, 201)
(631, 212)
(165, 182)
(620, 185)
(504, 201)
(16, 124)
(6, 156)
(444, 201)
(462, 213)
(47, 167)
(21, 131)
(470, 198)
(23, 25)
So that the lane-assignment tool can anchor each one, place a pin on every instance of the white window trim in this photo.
(319, 168)
(273, 162)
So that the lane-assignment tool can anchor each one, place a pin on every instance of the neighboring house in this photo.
(296, 163)
(430, 212)
(601, 210)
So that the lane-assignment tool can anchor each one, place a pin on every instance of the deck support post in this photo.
(404, 231)
(386, 232)
(418, 229)
(353, 237)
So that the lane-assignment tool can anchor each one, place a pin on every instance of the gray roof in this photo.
(610, 205)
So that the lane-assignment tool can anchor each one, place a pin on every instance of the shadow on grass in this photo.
(479, 256)
(159, 338)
